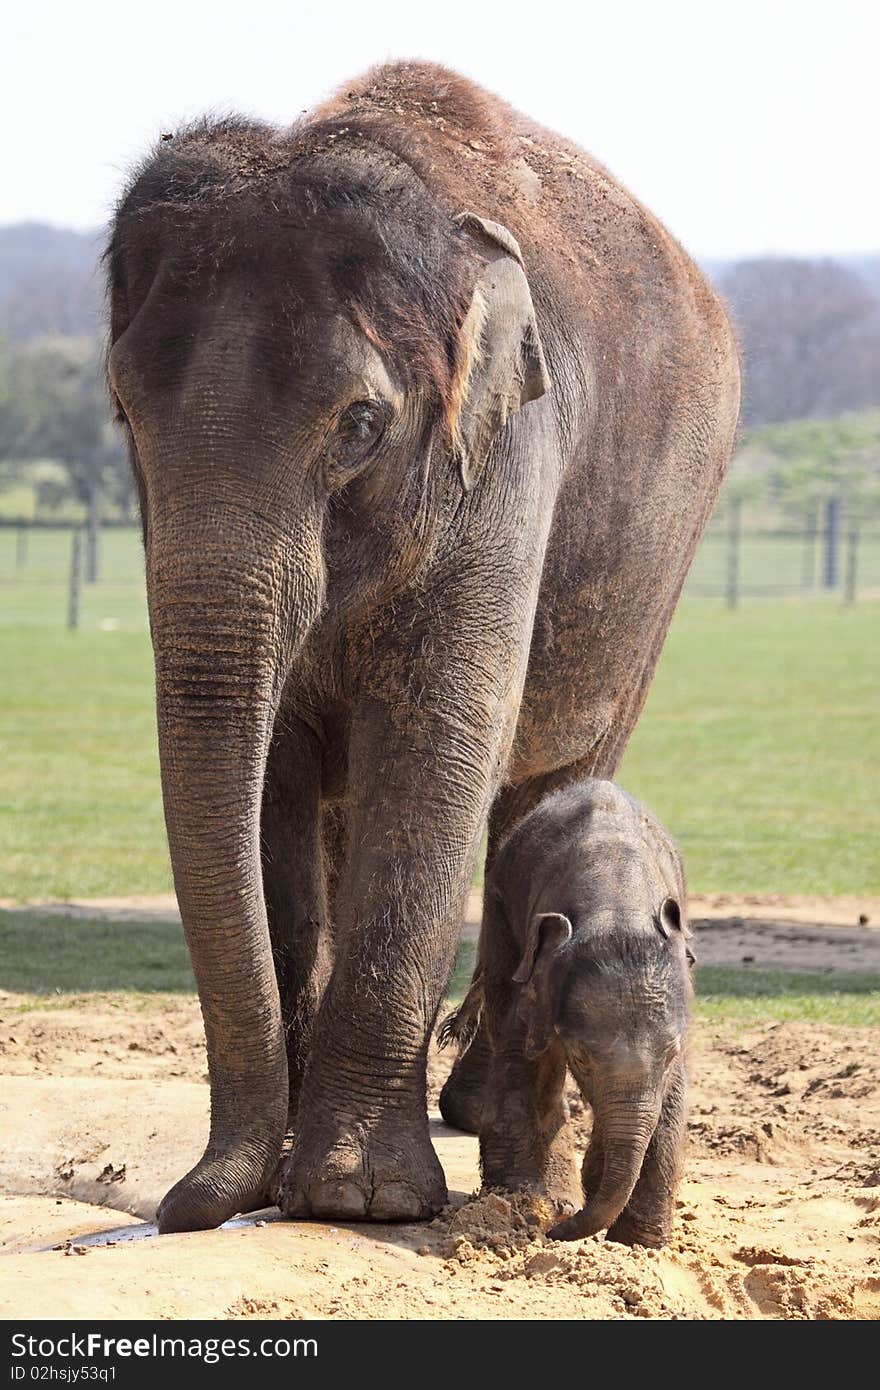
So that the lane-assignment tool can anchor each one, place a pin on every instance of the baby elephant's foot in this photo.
(462, 1097)
(631, 1228)
(554, 1190)
(383, 1173)
(461, 1105)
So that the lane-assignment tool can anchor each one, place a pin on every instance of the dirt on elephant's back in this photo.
(103, 1104)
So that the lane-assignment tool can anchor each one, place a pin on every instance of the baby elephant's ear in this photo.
(536, 1007)
(547, 932)
(670, 920)
(670, 916)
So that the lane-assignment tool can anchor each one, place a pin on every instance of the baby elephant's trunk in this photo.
(622, 1130)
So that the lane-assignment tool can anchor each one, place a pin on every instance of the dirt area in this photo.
(104, 1104)
(829, 935)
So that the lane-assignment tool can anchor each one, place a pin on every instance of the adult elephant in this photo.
(427, 416)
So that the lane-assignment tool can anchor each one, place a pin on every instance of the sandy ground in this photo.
(104, 1104)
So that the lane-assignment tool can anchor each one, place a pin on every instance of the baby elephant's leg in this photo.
(647, 1216)
(525, 1136)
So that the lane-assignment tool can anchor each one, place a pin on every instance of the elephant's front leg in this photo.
(421, 777)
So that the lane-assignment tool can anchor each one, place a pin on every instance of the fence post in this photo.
(852, 560)
(21, 545)
(832, 542)
(811, 531)
(75, 578)
(733, 538)
(94, 534)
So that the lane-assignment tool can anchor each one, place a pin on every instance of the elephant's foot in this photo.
(461, 1106)
(558, 1186)
(520, 1153)
(387, 1172)
(632, 1229)
(212, 1192)
(461, 1100)
(562, 1180)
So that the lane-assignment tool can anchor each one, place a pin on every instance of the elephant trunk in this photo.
(623, 1127)
(226, 620)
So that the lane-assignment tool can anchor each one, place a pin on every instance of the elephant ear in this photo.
(548, 932)
(669, 920)
(500, 351)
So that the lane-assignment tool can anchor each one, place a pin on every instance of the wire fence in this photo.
(56, 574)
(830, 554)
(51, 574)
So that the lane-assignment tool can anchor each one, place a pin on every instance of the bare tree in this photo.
(810, 334)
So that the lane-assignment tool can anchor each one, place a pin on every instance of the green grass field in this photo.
(80, 811)
(758, 747)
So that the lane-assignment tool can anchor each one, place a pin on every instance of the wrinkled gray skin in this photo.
(586, 967)
(366, 641)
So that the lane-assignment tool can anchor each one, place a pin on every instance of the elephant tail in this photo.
(460, 1026)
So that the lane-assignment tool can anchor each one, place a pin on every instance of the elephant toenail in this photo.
(396, 1201)
(344, 1201)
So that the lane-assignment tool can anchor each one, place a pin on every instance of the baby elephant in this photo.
(584, 965)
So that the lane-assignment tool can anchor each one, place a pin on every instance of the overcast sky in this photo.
(748, 127)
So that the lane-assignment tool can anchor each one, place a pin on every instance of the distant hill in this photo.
(50, 281)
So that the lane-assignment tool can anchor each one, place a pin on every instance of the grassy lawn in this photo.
(80, 809)
(758, 747)
(63, 958)
(787, 996)
(760, 744)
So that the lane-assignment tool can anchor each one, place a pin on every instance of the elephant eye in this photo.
(358, 428)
